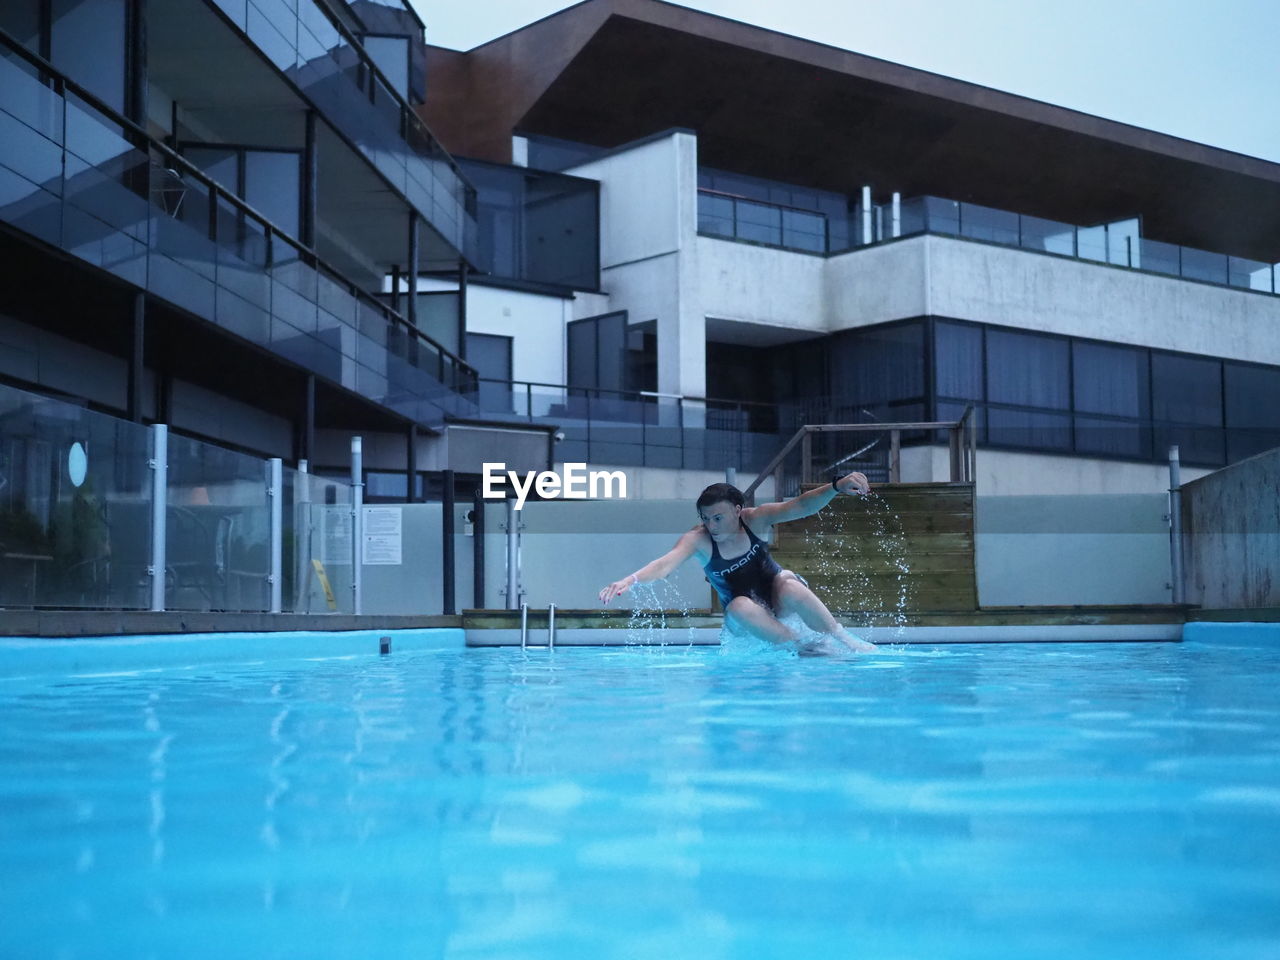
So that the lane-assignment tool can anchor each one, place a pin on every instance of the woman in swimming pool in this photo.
(730, 544)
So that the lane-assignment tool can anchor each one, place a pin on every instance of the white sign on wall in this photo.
(337, 537)
(383, 535)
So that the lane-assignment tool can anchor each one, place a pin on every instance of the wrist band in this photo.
(833, 484)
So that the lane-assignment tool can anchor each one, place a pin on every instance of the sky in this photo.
(1204, 70)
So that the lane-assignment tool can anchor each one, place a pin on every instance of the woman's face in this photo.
(720, 519)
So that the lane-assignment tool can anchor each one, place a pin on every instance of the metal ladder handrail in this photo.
(963, 446)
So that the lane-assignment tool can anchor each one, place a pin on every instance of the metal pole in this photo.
(357, 525)
(896, 222)
(513, 557)
(1175, 522)
(524, 625)
(866, 215)
(551, 626)
(477, 551)
(447, 511)
(159, 511)
(731, 476)
(302, 539)
(895, 456)
(275, 489)
(411, 307)
(136, 357)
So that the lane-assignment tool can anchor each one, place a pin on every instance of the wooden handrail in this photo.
(962, 442)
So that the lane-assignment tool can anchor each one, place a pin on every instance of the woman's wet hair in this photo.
(721, 493)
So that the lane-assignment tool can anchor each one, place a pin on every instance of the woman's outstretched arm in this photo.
(685, 547)
(809, 502)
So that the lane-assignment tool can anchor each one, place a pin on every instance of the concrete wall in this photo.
(569, 551)
(878, 284)
(40, 357)
(648, 253)
(535, 322)
(759, 285)
(1014, 473)
(1231, 535)
(1017, 288)
(1065, 549)
(1030, 550)
(947, 277)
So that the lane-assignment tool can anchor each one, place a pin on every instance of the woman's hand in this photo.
(853, 483)
(618, 588)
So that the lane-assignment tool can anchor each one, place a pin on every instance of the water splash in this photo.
(650, 605)
(848, 585)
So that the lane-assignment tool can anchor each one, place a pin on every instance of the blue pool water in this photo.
(1031, 801)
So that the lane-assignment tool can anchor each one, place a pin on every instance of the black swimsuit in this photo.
(750, 575)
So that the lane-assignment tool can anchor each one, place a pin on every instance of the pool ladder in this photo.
(524, 626)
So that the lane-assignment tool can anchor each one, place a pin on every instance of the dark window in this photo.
(273, 185)
(391, 56)
(88, 45)
(1027, 369)
(1252, 409)
(605, 354)
(1111, 381)
(491, 356)
(1186, 389)
(740, 372)
(1186, 404)
(221, 164)
(270, 181)
(958, 359)
(561, 232)
(536, 226)
(21, 20)
(1029, 428)
(877, 368)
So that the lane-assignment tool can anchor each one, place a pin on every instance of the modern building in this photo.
(804, 234)
(630, 234)
(203, 207)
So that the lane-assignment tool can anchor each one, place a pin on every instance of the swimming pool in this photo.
(1100, 800)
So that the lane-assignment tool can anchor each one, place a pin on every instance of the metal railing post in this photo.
(159, 512)
(513, 556)
(551, 626)
(895, 454)
(357, 525)
(1175, 523)
(275, 576)
(302, 540)
(448, 586)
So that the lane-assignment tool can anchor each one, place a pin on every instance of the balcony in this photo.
(80, 178)
(331, 69)
(746, 220)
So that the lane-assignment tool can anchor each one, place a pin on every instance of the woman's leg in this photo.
(746, 615)
(790, 595)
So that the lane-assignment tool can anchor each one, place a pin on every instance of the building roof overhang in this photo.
(764, 103)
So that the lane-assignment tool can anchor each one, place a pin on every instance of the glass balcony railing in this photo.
(82, 179)
(78, 499)
(640, 428)
(334, 71)
(1119, 244)
(1116, 243)
(767, 224)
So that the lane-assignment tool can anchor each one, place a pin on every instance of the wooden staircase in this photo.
(905, 551)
